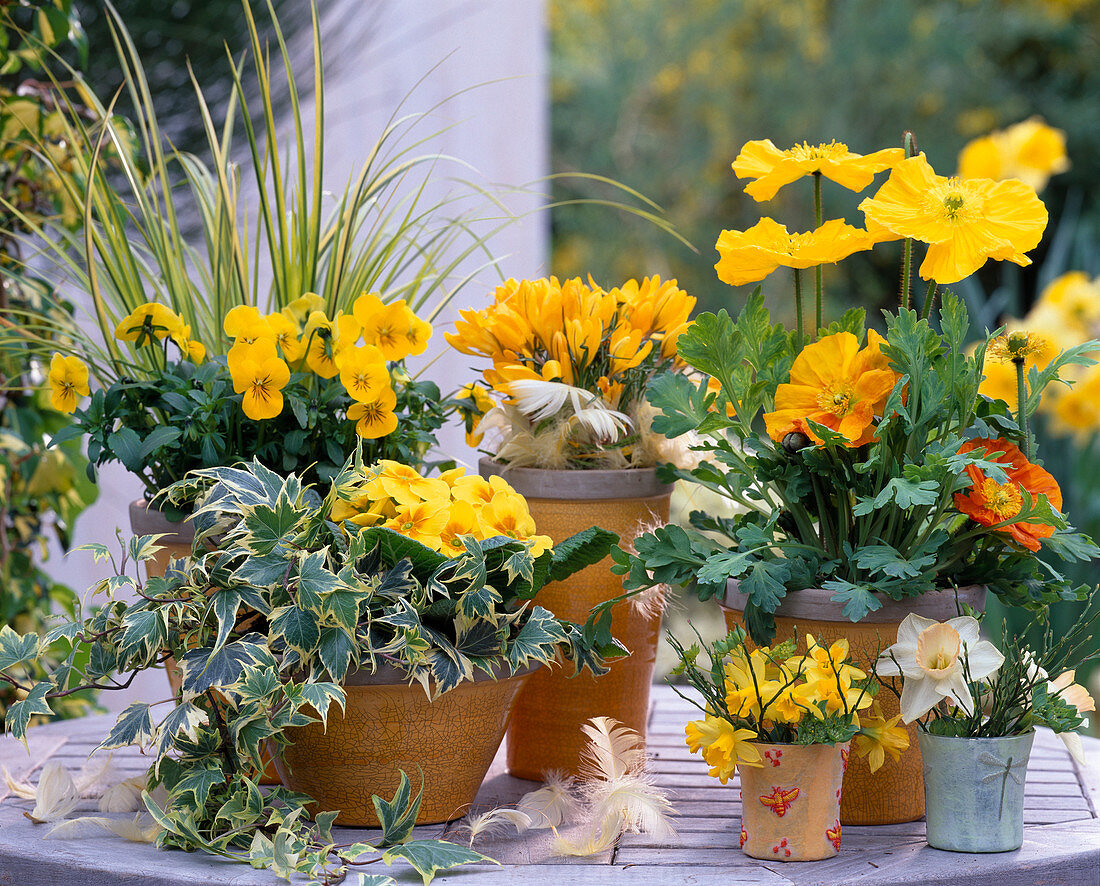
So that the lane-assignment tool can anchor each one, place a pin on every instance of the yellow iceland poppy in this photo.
(244, 323)
(965, 222)
(375, 418)
(68, 381)
(363, 372)
(749, 256)
(147, 322)
(1030, 151)
(260, 375)
(834, 384)
(772, 168)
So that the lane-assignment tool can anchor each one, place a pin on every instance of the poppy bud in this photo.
(795, 441)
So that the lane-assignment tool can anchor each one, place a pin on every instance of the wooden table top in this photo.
(1061, 836)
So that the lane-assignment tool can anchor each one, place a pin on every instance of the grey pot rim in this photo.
(578, 484)
(817, 604)
(932, 738)
(147, 519)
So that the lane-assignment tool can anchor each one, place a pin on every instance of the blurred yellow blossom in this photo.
(1030, 151)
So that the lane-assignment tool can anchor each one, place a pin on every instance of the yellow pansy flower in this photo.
(964, 221)
(194, 350)
(326, 340)
(244, 323)
(68, 381)
(260, 375)
(284, 331)
(773, 168)
(298, 310)
(375, 418)
(363, 373)
(387, 326)
(147, 322)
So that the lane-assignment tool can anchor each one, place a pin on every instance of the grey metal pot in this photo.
(974, 791)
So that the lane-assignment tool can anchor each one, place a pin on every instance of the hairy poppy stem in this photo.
(817, 271)
(798, 304)
(929, 300)
(906, 272)
(1021, 405)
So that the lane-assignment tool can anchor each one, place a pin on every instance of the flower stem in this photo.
(906, 271)
(926, 309)
(1021, 406)
(798, 305)
(817, 271)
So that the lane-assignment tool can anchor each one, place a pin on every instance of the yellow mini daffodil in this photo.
(260, 375)
(772, 168)
(878, 737)
(68, 381)
(965, 222)
(723, 745)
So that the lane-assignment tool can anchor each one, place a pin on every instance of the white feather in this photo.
(632, 804)
(56, 795)
(540, 400)
(613, 750)
(124, 796)
(551, 805)
(20, 789)
(590, 843)
(495, 820)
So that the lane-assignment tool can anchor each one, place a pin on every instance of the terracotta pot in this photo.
(545, 734)
(389, 726)
(790, 806)
(178, 538)
(896, 792)
(975, 790)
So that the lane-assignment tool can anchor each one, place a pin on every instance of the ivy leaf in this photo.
(430, 856)
(198, 783)
(207, 668)
(479, 602)
(225, 603)
(343, 605)
(133, 727)
(858, 600)
(16, 650)
(297, 627)
(184, 719)
(478, 637)
(321, 696)
(19, 714)
(315, 581)
(269, 528)
(144, 633)
(263, 571)
(335, 647)
(397, 816)
(536, 640)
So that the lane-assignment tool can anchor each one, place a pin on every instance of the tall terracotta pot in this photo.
(545, 733)
(389, 726)
(790, 805)
(896, 792)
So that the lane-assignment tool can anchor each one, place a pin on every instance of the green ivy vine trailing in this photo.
(277, 606)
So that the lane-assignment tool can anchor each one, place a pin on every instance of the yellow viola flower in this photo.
(376, 418)
(772, 168)
(878, 737)
(417, 335)
(386, 326)
(147, 322)
(300, 308)
(68, 381)
(749, 256)
(284, 331)
(834, 384)
(363, 373)
(326, 340)
(244, 323)
(723, 745)
(189, 348)
(965, 222)
(423, 522)
(260, 375)
(1030, 151)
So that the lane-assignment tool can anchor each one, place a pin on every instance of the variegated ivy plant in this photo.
(277, 605)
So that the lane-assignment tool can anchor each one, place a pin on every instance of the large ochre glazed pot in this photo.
(388, 726)
(895, 793)
(545, 734)
(790, 805)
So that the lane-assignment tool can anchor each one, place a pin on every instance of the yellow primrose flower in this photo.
(507, 514)
(375, 419)
(260, 375)
(773, 168)
(1030, 151)
(423, 522)
(194, 350)
(461, 520)
(244, 323)
(146, 322)
(878, 737)
(749, 256)
(363, 373)
(68, 380)
(406, 485)
(285, 332)
(724, 746)
(964, 221)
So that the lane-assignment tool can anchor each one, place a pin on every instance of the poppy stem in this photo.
(929, 300)
(1021, 406)
(798, 304)
(906, 271)
(817, 271)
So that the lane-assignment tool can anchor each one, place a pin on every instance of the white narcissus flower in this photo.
(929, 656)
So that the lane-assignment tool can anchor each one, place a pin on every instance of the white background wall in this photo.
(484, 64)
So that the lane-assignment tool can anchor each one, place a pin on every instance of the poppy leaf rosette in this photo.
(751, 255)
(991, 503)
(834, 384)
(930, 657)
(965, 222)
(772, 168)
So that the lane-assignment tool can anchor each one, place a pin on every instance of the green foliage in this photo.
(869, 522)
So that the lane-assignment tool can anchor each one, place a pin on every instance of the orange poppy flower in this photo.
(773, 168)
(989, 502)
(835, 384)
